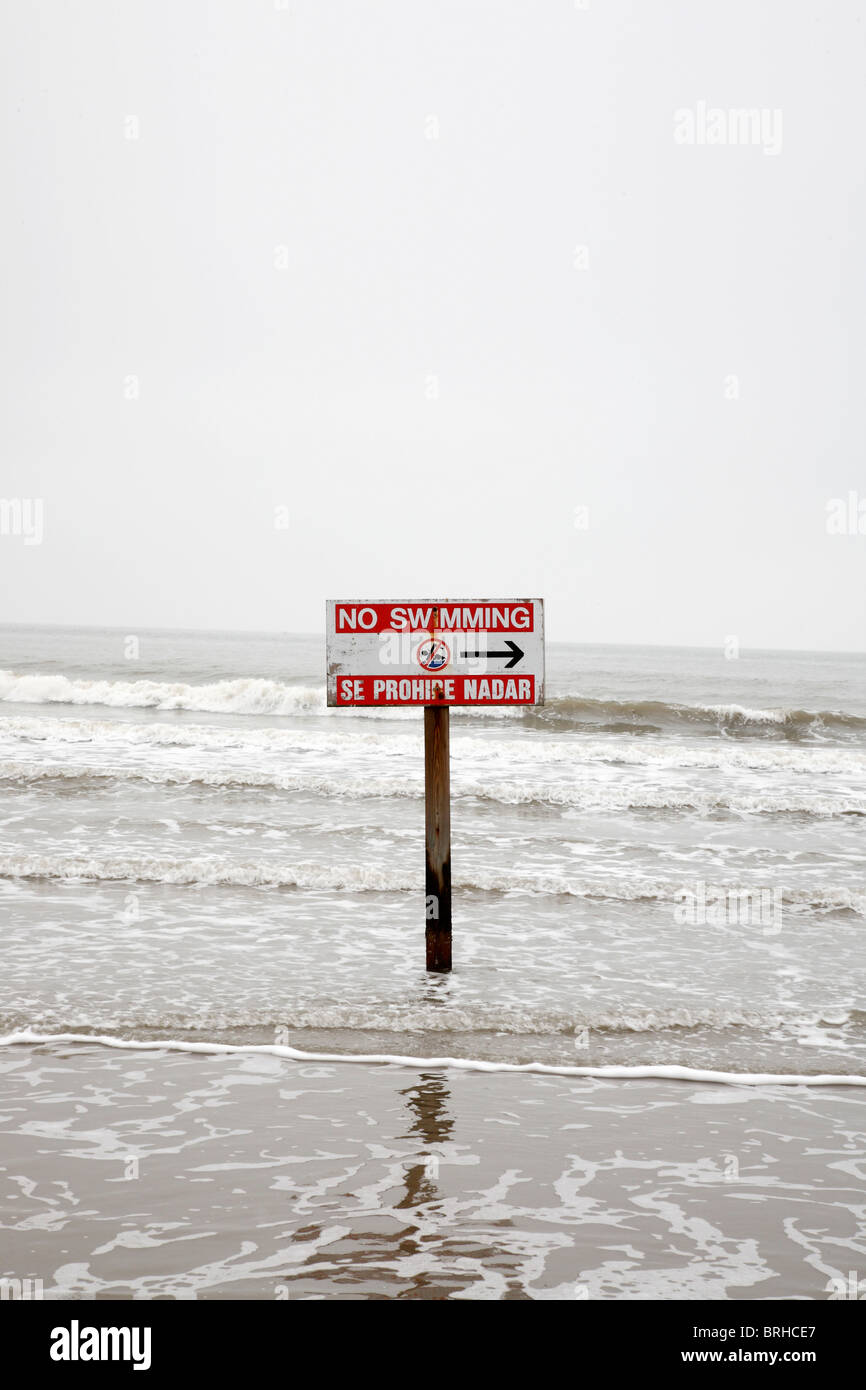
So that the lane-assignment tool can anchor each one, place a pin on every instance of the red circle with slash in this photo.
(434, 654)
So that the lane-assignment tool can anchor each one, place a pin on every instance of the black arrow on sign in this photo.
(515, 653)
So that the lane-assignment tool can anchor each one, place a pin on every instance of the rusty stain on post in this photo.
(437, 803)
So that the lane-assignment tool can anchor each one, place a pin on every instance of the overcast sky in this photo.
(435, 277)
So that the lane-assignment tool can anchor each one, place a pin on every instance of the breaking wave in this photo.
(589, 796)
(247, 696)
(213, 870)
(257, 696)
(115, 735)
(580, 710)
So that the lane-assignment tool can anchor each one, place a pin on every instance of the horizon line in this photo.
(553, 642)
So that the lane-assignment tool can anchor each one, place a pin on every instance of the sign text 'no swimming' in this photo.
(436, 654)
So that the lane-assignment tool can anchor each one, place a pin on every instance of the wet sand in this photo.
(164, 1174)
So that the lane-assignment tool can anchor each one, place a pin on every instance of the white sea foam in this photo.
(214, 870)
(245, 696)
(549, 751)
(745, 715)
(666, 1072)
(610, 796)
(514, 1018)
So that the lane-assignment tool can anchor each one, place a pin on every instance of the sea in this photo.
(660, 871)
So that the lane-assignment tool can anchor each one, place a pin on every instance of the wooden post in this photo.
(437, 804)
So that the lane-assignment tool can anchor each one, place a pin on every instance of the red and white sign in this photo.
(446, 652)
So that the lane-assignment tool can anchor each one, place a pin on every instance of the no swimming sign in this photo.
(445, 652)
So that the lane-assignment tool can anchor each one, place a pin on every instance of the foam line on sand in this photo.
(652, 1072)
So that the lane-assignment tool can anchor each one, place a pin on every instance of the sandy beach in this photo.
(142, 1175)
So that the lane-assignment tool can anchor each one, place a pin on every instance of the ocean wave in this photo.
(498, 1018)
(213, 870)
(243, 696)
(668, 1072)
(579, 709)
(523, 792)
(259, 696)
(113, 735)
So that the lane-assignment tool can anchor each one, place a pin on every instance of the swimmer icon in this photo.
(434, 654)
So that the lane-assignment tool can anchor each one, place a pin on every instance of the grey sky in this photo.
(342, 260)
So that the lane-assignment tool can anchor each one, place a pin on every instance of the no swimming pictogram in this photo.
(434, 654)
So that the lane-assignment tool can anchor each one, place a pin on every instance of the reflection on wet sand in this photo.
(256, 1177)
(431, 1122)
